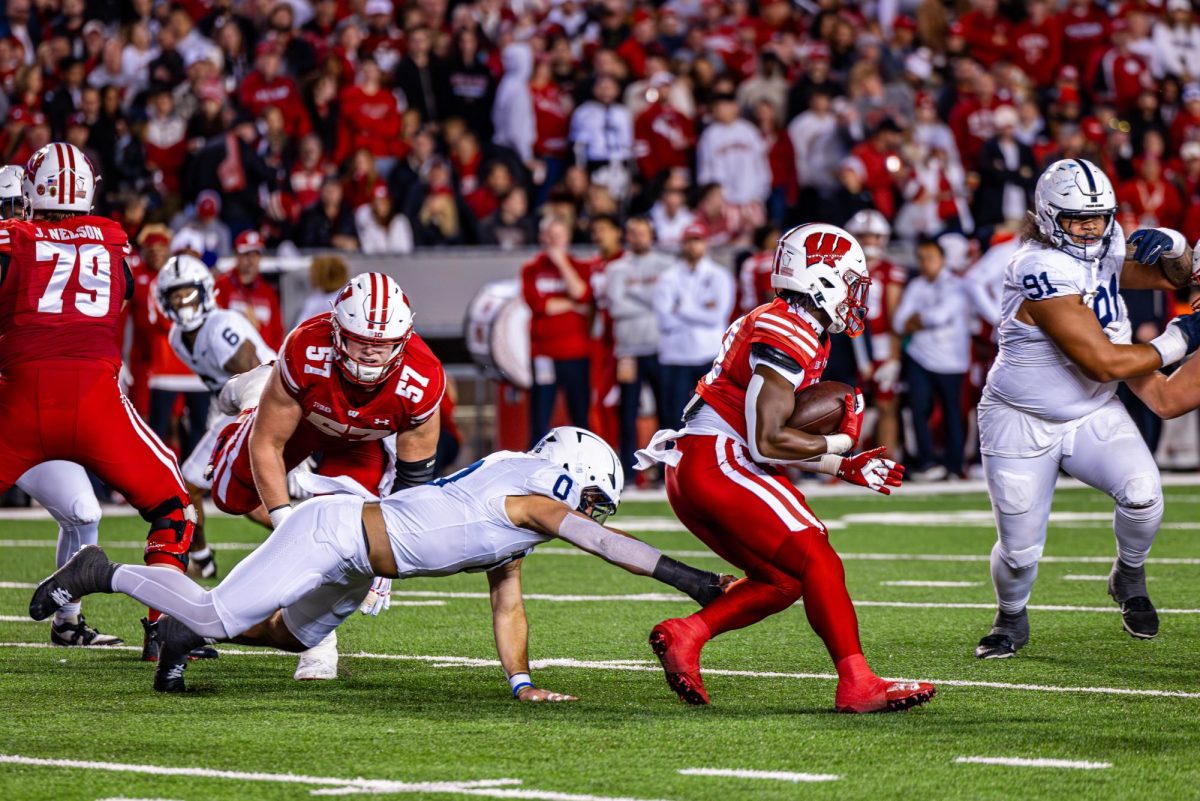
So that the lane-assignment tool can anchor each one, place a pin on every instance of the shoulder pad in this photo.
(775, 356)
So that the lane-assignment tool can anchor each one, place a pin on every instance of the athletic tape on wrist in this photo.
(518, 682)
(838, 443)
(1171, 345)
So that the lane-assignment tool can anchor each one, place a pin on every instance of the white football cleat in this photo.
(319, 663)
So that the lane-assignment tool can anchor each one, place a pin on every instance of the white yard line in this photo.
(17, 585)
(1026, 762)
(930, 583)
(493, 788)
(777, 775)
(653, 667)
(901, 557)
(1080, 577)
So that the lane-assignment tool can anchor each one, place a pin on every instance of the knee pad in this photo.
(1013, 493)
(1140, 492)
(1020, 558)
(172, 524)
(84, 511)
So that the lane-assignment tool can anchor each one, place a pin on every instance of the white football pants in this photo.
(314, 567)
(1106, 452)
(63, 488)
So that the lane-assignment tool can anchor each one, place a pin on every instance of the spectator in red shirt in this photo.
(370, 118)
(640, 43)
(663, 137)
(1117, 75)
(1151, 197)
(1036, 44)
(1186, 125)
(555, 286)
(971, 119)
(267, 86)
(879, 158)
(243, 289)
(309, 171)
(988, 34)
(1084, 31)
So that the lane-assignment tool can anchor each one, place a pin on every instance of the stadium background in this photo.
(430, 138)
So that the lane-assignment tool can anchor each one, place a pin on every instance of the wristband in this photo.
(839, 443)
(1171, 345)
(1178, 243)
(518, 682)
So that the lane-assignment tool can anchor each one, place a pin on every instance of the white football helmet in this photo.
(870, 222)
(59, 177)
(186, 272)
(826, 264)
(591, 463)
(370, 309)
(13, 204)
(1074, 188)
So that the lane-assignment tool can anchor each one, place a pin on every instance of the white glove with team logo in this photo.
(378, 598)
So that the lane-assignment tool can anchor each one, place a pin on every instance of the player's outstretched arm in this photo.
(555, 519)
(512, 633)
(1073, 327)
(276, 421)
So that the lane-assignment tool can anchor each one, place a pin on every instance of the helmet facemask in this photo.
(14, 208)
(367, 375)
(595, 503)
(188, 311)
(1091, 248)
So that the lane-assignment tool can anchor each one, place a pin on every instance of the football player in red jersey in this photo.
(872, 231)
(725, 477)
(344, 383)
(63, 281)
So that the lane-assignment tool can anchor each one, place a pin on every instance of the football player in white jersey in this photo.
(318, 565)
(62, 488)
(1049, 403)
(216, 344)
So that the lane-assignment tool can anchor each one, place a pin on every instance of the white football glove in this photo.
(378, 598)
(1119, 332)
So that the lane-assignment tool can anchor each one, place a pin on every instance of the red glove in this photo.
(852, 420)
(872, 470)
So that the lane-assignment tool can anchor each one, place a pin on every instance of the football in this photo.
(819, 408)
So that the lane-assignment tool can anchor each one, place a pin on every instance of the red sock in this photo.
(854, 670)
(153, 615)
(809, 557)
(747, 602)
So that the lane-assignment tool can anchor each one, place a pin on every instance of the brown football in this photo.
(819, 408)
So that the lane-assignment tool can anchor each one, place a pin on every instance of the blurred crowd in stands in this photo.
(657, 131)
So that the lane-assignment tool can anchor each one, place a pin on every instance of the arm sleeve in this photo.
(289, 367)
(124, 268)
(231, 332)
(529, 291)
(431, 397)
(906, 309)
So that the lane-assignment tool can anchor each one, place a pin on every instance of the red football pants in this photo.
(756, 519)
(233, 487)
(73, 410)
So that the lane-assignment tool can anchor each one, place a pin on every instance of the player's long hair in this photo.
(1030, 232)
(54, 216)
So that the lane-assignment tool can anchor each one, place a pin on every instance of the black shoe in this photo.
(1127, 586)
(150, 645)
(86, 572)
(202, 568)
(80, 633)
(175, 643)
(1009, 634)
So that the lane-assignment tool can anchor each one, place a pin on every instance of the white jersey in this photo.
(1030, 373)
(218, 339)
(458, 523)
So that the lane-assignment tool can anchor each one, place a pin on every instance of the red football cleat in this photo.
(884, 696)
(677, 643)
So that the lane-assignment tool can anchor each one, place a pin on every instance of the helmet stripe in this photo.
(374, 310)
(62, 167)
(1088, 174)
(71, 174)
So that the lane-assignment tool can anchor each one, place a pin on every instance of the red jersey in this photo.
(774, 324)
(560, 336)
(663, 137)
(62, 289)
(258, 301)
(1037, 50)
(337, 414)
(370, 120)
(988, 37)
(257, 94)
(1084, 30)
(884, 275)
(754, 282)
(552, 117)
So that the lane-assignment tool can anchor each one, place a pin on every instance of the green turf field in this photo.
(423, 710)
